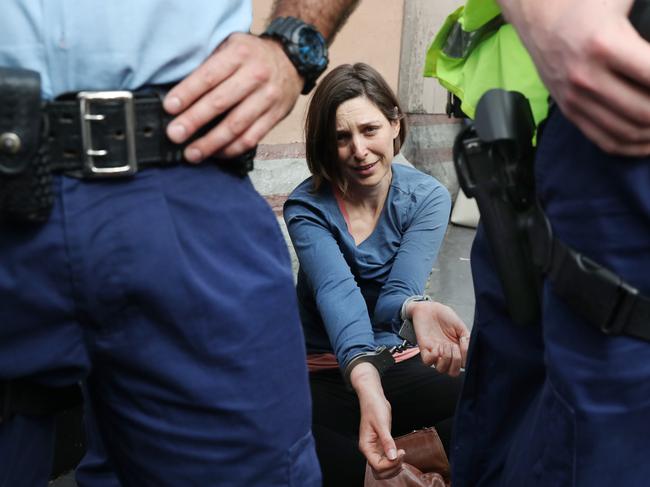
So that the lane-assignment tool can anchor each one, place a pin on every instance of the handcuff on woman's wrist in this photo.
(380, 358)
(407, 332)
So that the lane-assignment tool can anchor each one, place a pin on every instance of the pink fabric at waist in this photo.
(326, 361)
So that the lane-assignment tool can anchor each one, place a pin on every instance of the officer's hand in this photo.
(375, 440)
(442, 336)
(595, 65)
(246, 74)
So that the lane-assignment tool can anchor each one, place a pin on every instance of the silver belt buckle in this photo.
(86, 100)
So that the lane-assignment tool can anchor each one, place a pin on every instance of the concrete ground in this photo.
(451, 278)
(450, 283)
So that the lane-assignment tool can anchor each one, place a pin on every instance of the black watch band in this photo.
(304, 46)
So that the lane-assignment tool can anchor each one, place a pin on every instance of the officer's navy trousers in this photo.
(562, 404)
(171, 294)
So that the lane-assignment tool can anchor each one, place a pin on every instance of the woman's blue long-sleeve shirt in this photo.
(350, 296)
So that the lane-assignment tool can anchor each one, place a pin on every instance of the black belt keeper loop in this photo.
(623, 311)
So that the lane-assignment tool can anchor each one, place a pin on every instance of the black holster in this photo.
(25, 177)
(494, 162)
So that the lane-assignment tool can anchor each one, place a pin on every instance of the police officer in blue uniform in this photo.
(566, 403)
(165, 285)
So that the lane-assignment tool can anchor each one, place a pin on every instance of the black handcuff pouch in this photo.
(25, 176)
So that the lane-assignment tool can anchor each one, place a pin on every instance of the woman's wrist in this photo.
(366, 383)
(365, 379)
(406, 312)
(412, 307)
(380, 359)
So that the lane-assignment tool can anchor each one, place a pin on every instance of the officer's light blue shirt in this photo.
(350, 295)
(114, 44)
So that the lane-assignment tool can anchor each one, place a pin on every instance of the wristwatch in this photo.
(304, 45)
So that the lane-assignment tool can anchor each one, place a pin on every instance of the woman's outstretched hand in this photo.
(442, 336)
(375, 440)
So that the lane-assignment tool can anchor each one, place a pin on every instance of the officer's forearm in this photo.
(326, 15)
(524, 13)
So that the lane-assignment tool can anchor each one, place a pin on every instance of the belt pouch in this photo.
(25, 176)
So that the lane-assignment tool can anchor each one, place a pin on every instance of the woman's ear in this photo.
(395, 125)
(397, 143)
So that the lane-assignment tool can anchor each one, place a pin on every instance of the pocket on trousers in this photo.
(304, 470)
(557, 427)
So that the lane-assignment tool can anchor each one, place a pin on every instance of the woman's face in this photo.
(364, 138)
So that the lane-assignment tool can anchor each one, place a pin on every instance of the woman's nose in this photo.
(359, 147)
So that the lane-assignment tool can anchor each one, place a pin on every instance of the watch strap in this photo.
(281, 28)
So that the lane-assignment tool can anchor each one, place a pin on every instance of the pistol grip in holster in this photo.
(493, 157)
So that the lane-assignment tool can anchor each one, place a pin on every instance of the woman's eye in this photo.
(371, 130)
(341, 137)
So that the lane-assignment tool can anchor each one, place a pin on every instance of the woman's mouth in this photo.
(365, 168)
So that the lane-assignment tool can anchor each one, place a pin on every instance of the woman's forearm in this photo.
(375, 440)
(365, 380)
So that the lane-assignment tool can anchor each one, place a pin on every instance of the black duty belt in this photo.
(98, 134)
(89, 135)
(601, 297)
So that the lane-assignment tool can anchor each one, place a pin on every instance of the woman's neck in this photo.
(368, 198)
(362, 207)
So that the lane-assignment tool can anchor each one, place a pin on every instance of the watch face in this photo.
(312, 48)
(304, 45)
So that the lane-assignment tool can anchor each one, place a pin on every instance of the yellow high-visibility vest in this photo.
(477, 50)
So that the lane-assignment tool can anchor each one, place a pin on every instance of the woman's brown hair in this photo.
(341, 84)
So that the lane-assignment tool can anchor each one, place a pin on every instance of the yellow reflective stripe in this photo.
(461, 42)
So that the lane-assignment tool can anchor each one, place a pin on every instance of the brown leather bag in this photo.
(425, 463)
